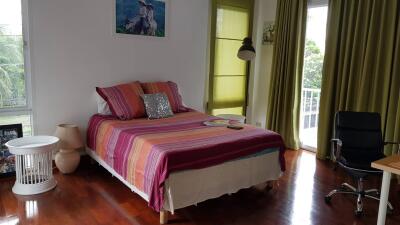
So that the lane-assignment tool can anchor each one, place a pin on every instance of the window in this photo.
(15, 104)
(312, 72)
(228, 74)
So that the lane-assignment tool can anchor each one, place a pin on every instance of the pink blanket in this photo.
(145, 152)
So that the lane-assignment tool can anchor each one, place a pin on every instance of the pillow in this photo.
(102, 106)
(157, 106)
(104, 109)
(171, 90)
(124, 100)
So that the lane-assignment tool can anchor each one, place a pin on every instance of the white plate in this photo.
(214, 124)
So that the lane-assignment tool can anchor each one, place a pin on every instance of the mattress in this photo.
(145, 152)
(189, 187)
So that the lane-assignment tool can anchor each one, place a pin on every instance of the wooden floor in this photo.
(92, 196)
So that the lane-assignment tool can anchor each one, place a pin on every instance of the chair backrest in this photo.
(360, 133)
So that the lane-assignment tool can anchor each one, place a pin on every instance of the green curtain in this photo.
(361, 69)
(283, 113)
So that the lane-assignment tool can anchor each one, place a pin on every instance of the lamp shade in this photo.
(69, 135)
(246, 51)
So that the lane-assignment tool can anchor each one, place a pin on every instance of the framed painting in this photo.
(7, 160)
(141, 17)
(269, 33)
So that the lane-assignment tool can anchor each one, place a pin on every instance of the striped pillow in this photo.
(171, 90)
(124, 100)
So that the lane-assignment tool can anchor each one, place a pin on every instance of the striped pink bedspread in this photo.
(144, 152)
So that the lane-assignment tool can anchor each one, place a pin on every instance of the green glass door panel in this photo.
(232, 22)
(226, 61)
(236, 111)
(229, 91)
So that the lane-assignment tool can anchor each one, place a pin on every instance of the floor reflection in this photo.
(92, 196)
(31, 209)
(11, 220)
(303, 189)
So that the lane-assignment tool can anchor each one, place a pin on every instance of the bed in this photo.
(178, 161)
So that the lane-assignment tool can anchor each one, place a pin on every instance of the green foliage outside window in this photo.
(12, 80)
(313, 61)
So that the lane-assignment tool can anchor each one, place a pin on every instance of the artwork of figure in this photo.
(140, 17)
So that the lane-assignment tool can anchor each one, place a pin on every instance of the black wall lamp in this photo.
(246, 51)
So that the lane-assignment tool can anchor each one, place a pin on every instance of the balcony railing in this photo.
(310, 108)
(309, 116)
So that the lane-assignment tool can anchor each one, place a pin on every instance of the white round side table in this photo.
(33, 164)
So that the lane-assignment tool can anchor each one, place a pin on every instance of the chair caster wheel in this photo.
(328, 199)
(358, 213)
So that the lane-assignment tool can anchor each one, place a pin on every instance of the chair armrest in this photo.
(336, 141)
(336, 148)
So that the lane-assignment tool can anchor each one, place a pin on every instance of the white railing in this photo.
(309, 117)
(309, 108)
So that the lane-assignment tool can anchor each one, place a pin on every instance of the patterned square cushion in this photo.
(157, 106)
(124, 100)
(171, 90)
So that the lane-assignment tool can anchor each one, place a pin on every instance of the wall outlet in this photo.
(258, 124)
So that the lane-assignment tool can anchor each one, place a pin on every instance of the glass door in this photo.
(312, 73)
(228, 74)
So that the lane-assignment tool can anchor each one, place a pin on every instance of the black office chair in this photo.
(358, 142)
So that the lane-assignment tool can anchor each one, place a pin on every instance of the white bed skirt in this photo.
(189, 187)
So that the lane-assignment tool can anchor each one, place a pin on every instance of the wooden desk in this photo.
(389, 165)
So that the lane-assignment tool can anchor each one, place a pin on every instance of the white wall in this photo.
(73, 51)
(265, 11)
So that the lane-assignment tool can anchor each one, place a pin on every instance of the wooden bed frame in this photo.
(163, 213)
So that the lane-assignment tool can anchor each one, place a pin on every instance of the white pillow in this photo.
(102, 106)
